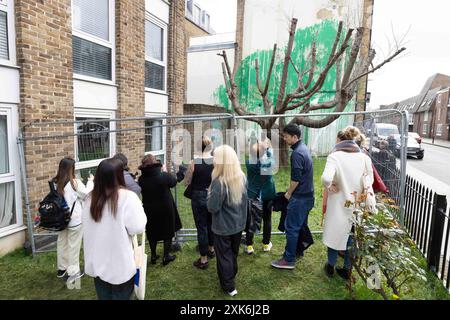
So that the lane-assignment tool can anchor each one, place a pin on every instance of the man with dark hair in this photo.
(300, 194)
(131, 184)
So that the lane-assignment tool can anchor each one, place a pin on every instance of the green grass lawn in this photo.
(22, 277)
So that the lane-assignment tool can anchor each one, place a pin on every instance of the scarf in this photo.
(349, 146)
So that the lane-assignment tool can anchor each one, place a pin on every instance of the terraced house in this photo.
(77, 60)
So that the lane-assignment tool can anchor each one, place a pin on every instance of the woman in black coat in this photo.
(159, 206)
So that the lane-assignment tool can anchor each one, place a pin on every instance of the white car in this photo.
(414, 148)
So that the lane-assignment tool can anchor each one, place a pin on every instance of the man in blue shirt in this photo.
(300, 194)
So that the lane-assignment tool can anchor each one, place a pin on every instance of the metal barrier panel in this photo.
(96, 139)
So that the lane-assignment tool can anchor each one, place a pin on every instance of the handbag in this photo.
(140, 258)
(188, 192)
(371, 201)
(254, 215)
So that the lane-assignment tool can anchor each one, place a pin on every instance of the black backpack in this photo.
(54, 212)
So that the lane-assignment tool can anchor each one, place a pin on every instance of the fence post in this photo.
(23, 173)
(436, 231)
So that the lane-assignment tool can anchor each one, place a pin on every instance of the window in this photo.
(189, 8)
(8, 208)
(155, 55)
(155, 138)
(425, 128)
(439, 114)
(4, 49)
(448, 101)
(439, 98)
(95, 142)
(197, 14)
(425, 116)
(439, 129)
(93, 38)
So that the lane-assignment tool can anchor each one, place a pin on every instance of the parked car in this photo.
(416, 136)
(413, 148)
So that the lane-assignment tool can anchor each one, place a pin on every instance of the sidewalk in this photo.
(437, 142)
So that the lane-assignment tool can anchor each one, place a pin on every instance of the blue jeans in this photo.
(333, 254)
(297, 215)
(203, 221)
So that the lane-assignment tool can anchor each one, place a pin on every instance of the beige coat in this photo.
(346, 170)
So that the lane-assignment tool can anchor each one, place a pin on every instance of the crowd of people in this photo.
(114, 206)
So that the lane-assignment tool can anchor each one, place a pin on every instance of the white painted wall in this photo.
(9, 85)
(91, 95)
(267, 21)
(156, 103)
(204, 75)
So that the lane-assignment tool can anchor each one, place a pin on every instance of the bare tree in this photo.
(346, 48)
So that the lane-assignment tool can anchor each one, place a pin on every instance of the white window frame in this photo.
(426, 116)
(112, 136)
(163, 151)
(425, 128)
(8, 7)
(195, 6)
(13, 174)
(111, 44)
(151, 18)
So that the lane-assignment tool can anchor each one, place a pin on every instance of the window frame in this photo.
(425, 128)
(163, 151)
(8, 7)
(152, 19)
(107, 114)
(194, 7)
(439, 129)
(13, 175)
(111, 44)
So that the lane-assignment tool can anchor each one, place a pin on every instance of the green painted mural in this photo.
(324, 33)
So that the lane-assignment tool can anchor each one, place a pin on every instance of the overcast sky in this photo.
(427, 43)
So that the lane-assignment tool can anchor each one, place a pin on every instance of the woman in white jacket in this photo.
(344, 172)
(112, 215)
(69, 239)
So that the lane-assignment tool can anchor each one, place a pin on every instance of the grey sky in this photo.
(427, 43)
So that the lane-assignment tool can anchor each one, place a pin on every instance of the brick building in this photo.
(76, 60)
(429, 111)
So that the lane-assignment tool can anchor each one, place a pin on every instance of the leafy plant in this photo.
(381, 251)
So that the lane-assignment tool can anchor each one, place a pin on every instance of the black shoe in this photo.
(61, 273)
(211, 254)
(199, 264)
(168, 259)
(344, 273)
(329, 270)
(153, 259)
(175, 247)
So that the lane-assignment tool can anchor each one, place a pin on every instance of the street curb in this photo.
(436, 145)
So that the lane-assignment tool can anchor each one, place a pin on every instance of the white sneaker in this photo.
(249, 249)
(267, 247)
(233, 293)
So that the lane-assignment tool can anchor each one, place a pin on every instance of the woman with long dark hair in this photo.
(159, 206)
(112, 216)
(69, 239)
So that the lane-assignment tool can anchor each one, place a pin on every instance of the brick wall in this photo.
(130, 75)
(44, 55)
(442, 109)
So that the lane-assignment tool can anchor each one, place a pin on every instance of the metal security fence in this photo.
(96, 139)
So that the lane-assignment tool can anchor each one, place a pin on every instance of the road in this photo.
(436, 163)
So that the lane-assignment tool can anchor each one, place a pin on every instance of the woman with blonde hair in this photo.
(227, 202)
(345, 171)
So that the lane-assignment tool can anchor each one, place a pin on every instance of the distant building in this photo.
(429, 112)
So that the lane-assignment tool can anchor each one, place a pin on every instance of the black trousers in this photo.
(267, 225)
(167, 247)
(227, 249)
(203, 221)
(107, 291)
